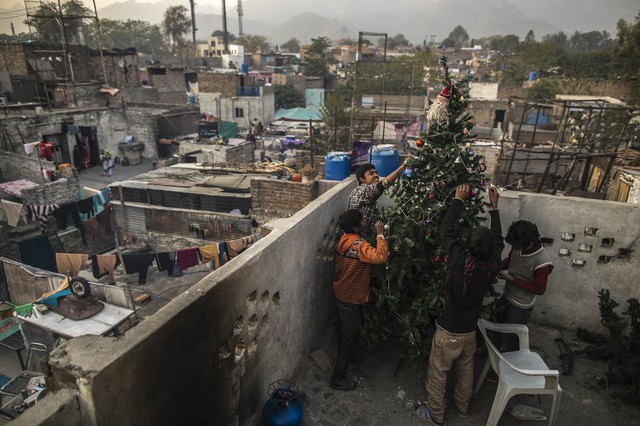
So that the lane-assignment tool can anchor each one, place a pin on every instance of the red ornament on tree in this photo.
(482, 167)
(432, 196)
(437, 258)
(419, 143)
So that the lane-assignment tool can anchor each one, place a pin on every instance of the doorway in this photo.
(88, 147)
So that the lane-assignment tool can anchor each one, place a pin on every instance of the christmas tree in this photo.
(408, 292)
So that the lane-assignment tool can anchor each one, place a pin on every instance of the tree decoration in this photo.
(419, 143)
(438, 112)
(408, 294)
(482, 167)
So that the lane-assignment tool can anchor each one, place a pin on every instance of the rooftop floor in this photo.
(386, 396)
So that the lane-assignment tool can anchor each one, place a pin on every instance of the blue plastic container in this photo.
(533, 75)
(283, 408)
(337, 166)
(385, 159)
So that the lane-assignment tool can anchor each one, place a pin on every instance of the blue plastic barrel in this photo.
(337, 166)
(533, 75)
(385, 159)
(244, 68)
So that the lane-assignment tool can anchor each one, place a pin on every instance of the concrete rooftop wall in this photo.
(571, 299)
(209, 356)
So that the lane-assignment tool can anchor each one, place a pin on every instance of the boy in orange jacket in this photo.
(354, 257)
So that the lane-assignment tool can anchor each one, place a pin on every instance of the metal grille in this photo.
(184, 200)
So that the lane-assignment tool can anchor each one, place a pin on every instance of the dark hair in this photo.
(362, 169)
(522, 233)
(349, 219)
(481, 243)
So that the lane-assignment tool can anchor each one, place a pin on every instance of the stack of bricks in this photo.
(61, 191)
(280, 197)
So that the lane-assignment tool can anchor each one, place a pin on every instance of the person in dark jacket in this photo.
(472, 272)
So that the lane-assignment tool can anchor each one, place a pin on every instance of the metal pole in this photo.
(104, 70)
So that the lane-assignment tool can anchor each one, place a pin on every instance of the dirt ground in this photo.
(388, 389)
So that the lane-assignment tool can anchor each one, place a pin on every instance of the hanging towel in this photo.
(70, 264)
(38, 252)
(138, 263)
(208, 253)
(41, 213)
(235, 247)
(165, 261)
(13, 212)
(86, 207)
(187, 258)
(92, 228)
(28, 148)
(103, 264)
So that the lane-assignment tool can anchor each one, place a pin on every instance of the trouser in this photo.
(511, 314)
(349, 316)
(447, 349)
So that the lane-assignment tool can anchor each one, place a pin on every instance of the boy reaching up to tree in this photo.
(370, 188)
(471, 274)
(354, 257)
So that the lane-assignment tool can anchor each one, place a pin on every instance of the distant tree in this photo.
(292, 45)
(254, 43)
(543, 88)
(530, 37)
(10, 38)
(347, 42)
(507, 43)
(318, 57)
(394, 42)
(286, 96)
(590, 42)
(588, 64)
(46, 22)
(141, 35)
(458, 36)
(175, 25)
(220, 33)
(560, 39)
(626, 54)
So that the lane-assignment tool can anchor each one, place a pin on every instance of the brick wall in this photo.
(178, 122)
(280, 196)
(12, 59)
(72, 243)
(484, 111)
(219, 83)
(171, 81)
(59, 192)
(241, 154)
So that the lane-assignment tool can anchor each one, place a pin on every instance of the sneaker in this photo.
(424, 413)
(462, 414)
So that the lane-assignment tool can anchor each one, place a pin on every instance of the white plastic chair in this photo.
(519, 372)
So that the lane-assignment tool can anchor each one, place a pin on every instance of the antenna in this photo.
(240, 15)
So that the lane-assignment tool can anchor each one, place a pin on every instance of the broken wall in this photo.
(15, 166)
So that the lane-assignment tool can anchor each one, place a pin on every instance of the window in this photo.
(239, 112)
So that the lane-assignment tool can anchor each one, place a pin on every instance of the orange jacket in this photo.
(353, 263)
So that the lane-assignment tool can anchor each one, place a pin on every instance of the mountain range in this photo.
(417, 20)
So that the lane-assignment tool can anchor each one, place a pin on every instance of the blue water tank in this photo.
(244, 68)
(533, 75)
(385, 159)
(337, 166)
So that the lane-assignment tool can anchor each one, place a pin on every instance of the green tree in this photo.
(394, 42)
(254, 43)
(175, 25)
(543, 88)
(457, 38)
(590, 42)
(286, 96)
(220, 33)
(46, 22)
(408, 294)
(292, 45)
(141, 35)
(318, 58)
(626, 54)
(560, 39)
(530, 37)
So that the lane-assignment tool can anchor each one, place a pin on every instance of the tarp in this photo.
(228, 129)
(298, 114)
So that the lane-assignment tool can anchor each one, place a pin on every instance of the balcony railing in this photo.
(248, 91)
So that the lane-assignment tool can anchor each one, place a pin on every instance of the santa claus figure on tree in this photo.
(408, 292)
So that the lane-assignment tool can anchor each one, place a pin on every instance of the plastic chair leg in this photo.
(554, 408)
(483, 374)
(499, 404)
